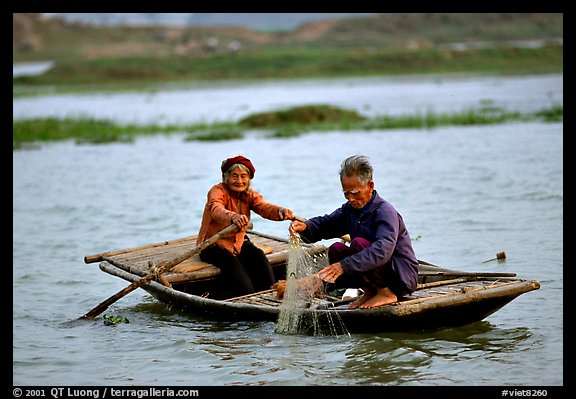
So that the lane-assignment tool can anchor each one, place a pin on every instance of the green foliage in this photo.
(216, 133)
(301, 115)
(553, 114)
(289, 122)
(110, 320)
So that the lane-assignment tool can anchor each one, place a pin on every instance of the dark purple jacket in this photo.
(378, 222)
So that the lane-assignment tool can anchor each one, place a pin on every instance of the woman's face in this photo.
(238, 180)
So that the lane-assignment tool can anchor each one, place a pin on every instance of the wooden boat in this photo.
(444, 297)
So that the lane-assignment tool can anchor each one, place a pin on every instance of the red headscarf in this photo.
(238, 159)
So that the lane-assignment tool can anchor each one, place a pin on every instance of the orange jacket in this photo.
(222, 204)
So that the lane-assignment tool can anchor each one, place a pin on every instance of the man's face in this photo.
(355, 192)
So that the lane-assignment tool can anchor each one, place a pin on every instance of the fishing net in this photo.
(303, 292)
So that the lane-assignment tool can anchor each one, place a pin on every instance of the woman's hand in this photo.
(285, 214)
(241, 221)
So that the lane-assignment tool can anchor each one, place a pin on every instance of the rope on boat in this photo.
(153, 270)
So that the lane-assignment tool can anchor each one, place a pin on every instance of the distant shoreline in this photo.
(149, 74)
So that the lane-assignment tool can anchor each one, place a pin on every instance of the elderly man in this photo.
(380, 259)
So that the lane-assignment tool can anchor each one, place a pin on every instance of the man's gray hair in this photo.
(357, 165)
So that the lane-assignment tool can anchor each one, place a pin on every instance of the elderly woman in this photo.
(244, 267)
(380, 258)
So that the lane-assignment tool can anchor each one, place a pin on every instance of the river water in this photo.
(465, 193)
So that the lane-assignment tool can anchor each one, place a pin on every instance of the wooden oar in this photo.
(161, 268)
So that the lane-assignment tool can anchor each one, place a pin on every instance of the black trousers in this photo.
(248, 272)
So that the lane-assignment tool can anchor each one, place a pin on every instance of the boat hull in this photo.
(431, 312)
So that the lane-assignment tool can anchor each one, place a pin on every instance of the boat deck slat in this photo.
(268, 298)
(137, 259)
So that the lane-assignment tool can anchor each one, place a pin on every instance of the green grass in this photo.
(282, 123)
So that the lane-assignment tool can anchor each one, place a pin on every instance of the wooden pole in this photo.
(500, 257)
(442, 282)
(468, 274)
(426, 263)
(161, 268)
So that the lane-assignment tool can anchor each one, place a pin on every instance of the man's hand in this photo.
(331, 272)
(296, 227)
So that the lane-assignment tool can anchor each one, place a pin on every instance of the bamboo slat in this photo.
(190, 265)
(240, 298)
(464, 288)
(137, 260)
(98, 257)
(201, 274)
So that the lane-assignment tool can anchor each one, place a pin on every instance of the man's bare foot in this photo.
(368, 294)
(383, 296)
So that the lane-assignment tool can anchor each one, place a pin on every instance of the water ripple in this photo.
(465, 193)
